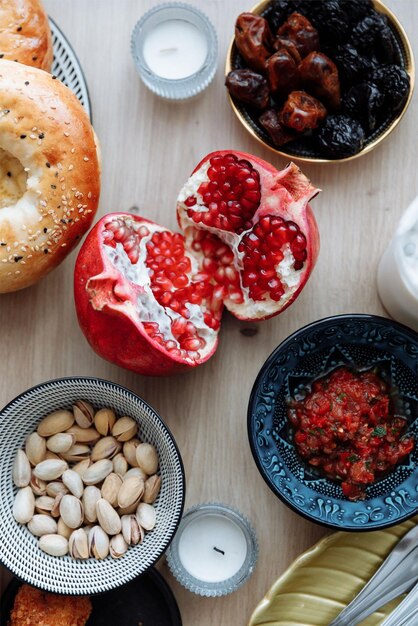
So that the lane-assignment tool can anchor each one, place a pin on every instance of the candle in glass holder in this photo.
(214, 551)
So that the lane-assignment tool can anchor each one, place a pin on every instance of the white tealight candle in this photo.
(175, 49)
(214, 550)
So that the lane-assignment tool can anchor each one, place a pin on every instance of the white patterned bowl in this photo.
(19, 551)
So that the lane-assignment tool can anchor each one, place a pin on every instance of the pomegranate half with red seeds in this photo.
(151, 300)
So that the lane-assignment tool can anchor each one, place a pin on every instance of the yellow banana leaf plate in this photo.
(317, 586)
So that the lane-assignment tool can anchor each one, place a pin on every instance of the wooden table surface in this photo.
(149, 147)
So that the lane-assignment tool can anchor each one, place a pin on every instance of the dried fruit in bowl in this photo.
(151, 300)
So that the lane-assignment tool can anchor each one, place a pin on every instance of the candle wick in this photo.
(218, 550)
(168, 50)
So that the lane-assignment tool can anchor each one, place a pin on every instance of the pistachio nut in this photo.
(78, 545)
(132, 532)
(129, 510)
(61, 442)
(21, 471)
(51, 469)
(147, 458)
(77, 452)
(72, 480)
(117, 546)
(55, 487)
(97, 472)
(120, 464)
(35, 448)
(90, 497)
(108, 519)
(81, 466)
(83, 435)
(135, 471)
(105, 448)
(55, 511)
(145, 514)
(83, 413)
(38, 486)
(63, 529)
(42, 525)
(98, 543)
(24, 505)
(56, 422)
(124, 429)
(55, 545)
(71, 511)
(110, 488)
(104, 420)
(129, 451)
(52, 455)
(130, 492)
(44, 504)
(152, 489)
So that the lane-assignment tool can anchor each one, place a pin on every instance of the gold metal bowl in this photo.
(378, 135)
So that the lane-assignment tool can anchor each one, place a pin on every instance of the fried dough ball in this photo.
(33, 607)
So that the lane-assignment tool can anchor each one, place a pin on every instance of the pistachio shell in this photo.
(21, 471)
(24, 505)
(110, 488)
(38, 486)
(73, 482)
(130, 492)
(44, 504)
(120, 464)
(132, 532)
(84, 435)
(77, 452)
(56, 422)
(124, 429)
(61, 442)
(104, 420)
(109, 520)
(147, 458)
(135, 471)
(52, 456)
(81, 466)
(78, 544)
(42, 525)
(91, 495)
(152, 489)
(117, 546)
(145, 514)
(50, 469)
(56, 487)
(55, 545)
(71, 511)
(55, 511)
(129, 510)
(129, 451)
(105, 448)
(63, 529)
(97, 472)
(98, 543)
(35, 448)
(83, 413)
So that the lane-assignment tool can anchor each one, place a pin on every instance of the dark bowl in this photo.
(355, 341)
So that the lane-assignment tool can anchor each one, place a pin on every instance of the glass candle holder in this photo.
(214, 551)
(175, 50)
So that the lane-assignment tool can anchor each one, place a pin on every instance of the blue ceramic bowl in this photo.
(354, 341)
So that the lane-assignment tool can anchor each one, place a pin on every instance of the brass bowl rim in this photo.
(409, 68)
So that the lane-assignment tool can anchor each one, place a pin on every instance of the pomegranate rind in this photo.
(106, 311)
(285, 193)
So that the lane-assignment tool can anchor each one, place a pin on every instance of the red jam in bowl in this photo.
(346, 427)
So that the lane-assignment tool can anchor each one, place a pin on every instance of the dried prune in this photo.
(253, 39)
(282, 73)
(372, 33)
(352, 66)
(282, 43)
(278, 12)
(320, 77)
(248, 87)
(278, 133)
(356, 10)
(302, 112)
(394, 83)
(329, 18)
(340, 136)
(298, 29)
(364, 102)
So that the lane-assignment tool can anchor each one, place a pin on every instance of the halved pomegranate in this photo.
(151, 300)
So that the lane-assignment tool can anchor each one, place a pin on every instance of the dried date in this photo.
(298, 29)
(282, 43)
(319, 76)
(282, 73)
(248, 87)
(302, 112)
(278, 133)
(254, 40)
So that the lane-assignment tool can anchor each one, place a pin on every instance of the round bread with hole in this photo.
(49, 174)
(25, 35)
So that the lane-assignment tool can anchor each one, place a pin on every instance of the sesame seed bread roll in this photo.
(49, 174)
(25, 35)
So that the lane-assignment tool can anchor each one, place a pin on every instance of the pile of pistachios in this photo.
(86, 483)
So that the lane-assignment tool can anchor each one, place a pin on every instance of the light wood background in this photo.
(149, 147)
